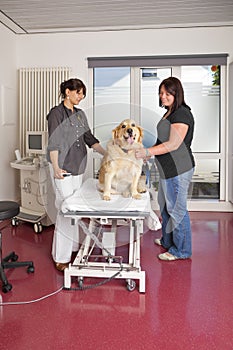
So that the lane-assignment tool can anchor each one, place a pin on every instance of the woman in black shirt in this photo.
(175, 163)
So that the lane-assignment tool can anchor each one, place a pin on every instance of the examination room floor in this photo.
(187, 305)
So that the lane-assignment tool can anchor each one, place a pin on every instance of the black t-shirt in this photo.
(181, 160)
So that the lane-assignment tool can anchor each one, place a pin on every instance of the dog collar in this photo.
(124, 149)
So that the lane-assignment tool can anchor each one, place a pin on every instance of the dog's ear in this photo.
(114, 133)
(141, 134)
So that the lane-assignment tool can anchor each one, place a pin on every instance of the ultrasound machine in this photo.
(34, 182)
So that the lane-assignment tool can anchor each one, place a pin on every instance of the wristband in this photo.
(148, 153)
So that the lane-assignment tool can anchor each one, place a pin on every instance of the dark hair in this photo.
(72, 84)
(174, 87)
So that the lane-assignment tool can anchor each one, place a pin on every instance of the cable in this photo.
(96, 284)
(59, 290)
(31, 301)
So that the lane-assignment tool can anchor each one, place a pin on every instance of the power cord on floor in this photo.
(96, 284)
(59, 290)
(31, 301)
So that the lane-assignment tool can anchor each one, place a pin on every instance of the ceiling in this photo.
(43, 16)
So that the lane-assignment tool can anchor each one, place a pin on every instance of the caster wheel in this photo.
(6, 288)
(14, 222)
(30, 269)
(80, 282)
(110, 260)
(130, 285)
(38, 227)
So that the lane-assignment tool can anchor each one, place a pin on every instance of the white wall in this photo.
(8, 114)
(230, 133)
(72, 49)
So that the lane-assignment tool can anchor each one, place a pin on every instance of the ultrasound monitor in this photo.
(36, 142)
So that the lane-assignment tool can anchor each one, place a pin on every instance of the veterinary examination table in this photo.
(88, 203)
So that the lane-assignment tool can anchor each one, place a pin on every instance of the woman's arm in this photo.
(178, 132)
(98, 148)
(54, 160)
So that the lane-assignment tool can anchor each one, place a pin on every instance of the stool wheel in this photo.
(30, 269)
(10, 210)
(6, 287)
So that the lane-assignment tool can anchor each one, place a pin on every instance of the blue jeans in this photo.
(176, 228)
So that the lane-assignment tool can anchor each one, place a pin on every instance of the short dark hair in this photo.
(174, 87)
(72, 84)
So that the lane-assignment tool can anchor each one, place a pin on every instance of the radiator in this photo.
(38, 92)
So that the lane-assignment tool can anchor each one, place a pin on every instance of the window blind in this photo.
(157, 61)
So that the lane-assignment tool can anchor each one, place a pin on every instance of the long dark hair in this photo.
(72, 84)
(174, 87)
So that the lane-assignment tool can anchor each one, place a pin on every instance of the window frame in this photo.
(135, 101)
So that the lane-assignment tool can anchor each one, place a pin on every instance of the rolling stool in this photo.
(8, 210)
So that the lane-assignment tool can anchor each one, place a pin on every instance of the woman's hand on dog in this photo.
(142, 153)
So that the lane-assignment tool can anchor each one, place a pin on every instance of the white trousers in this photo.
(66, 236)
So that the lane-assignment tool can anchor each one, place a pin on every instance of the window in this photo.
(149, 101)
(111, 99)
(111, 102)
(202, 93)
(132, 91)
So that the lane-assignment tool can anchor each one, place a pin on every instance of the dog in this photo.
(120, 171)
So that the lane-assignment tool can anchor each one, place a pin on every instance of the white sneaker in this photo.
(158, 241)
(167, 257)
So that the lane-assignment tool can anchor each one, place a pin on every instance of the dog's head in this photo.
(128, 132)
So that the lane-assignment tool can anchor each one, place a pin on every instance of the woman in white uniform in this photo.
(69, 134)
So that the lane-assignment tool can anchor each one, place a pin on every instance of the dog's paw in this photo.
(142, 184)
(136, 196)
(106, 197)
(142, 189)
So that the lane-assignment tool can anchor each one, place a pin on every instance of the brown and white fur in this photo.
(120, 171)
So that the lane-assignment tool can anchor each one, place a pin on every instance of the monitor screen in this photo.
(36, 142)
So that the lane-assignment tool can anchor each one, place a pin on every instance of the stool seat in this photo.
(8, 209)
